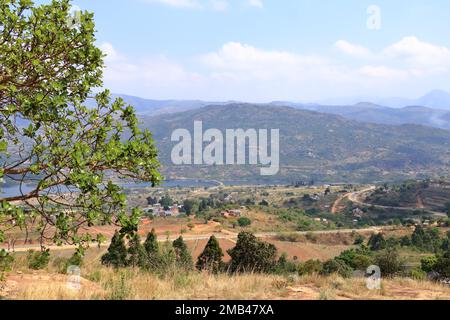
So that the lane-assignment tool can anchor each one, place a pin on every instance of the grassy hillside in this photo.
(314, 145)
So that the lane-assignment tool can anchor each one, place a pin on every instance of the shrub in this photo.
(6, 261)
(62, 264)
(310, 267)
(38, 260)
(336, 266)
(389, 262)
(417, 274)
(284, 266)
(357, 259)
(252, 255)
(443, 265)
(244, 222)
(428, 264)
(377, 242)
(182, 256)
(359, 240)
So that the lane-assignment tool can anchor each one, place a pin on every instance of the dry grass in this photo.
(103, 283)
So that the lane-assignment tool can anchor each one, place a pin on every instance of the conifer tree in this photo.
(211, 257)
(136, 253)
(183, 257)
(152, 251)
(117, 252)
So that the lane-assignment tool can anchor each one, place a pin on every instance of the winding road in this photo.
(356, 197)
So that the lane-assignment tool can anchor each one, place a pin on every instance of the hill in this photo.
(373, 113)
(314, 145)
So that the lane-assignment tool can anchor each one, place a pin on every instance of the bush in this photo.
(38, 260)
(389, 262)
(429, 263)
(284, 266)
(244, 222)
(182, 256)
(357, 259)
(310, 267)
(63, 264)
(252, 255)
(6, 261)
(417, 274)
(336, 266)
(377, 242)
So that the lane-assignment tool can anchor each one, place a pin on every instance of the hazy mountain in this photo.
(437, 99)
(323, 146)
(369, 112)
(365, 112)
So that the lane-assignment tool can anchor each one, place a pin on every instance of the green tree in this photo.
(211, 257)
(359, 240)
(38, 260)
(69, 140)
(152, 251)
(183, 257)
(377, 242)
(252, 255)
(389, 262)
(117, 252)
(190, 206)
(428, 264)
(443, 264)
(336, 266)
(310, 267)
(244, 222)
(6, 261)
(137, 256)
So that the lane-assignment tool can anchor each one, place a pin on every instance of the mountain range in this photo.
(317, 145)
(431, 110)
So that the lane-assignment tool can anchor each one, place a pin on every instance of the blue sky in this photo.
(264, 50)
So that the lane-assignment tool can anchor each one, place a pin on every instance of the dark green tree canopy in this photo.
(211, 257)
(252, 255)
(70, 146)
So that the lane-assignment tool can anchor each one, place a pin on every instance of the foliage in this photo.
(310, 267)
(190, 206)
(182, 256)
(377, 242)
(117, 252)
(137, 256)
(337, 266)
(389, 262)
(428, 264)
(252, 255)
(357, 259)
(244, 222)
(211, 257)
(69, 142)
(6, 261)
(38, 260)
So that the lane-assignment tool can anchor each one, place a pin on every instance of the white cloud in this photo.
(240, 71)
(353, 49)
(421, 57)
(256, 3)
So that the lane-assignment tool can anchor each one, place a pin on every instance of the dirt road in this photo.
(356, 197)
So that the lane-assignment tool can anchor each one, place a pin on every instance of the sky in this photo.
(272, 50)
